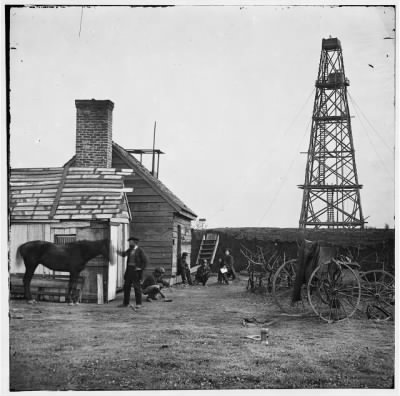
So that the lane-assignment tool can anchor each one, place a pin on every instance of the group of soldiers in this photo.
(226, 270)
(153, 283)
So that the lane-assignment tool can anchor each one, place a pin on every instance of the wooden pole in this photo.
(100, 298)
(154, 145)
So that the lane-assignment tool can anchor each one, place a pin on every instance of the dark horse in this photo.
(71, 258)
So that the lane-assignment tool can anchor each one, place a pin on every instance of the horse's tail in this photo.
(18, 256)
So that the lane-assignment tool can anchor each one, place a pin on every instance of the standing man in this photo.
(136, 263)
(228, 261)
(184, 269)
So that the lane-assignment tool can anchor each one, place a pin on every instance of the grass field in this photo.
(197, 341)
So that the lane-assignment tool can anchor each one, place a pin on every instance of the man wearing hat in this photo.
(153, 284)
(135, 265)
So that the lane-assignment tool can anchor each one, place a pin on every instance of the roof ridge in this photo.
(175, 201)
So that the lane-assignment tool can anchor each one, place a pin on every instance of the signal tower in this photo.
(331, 196)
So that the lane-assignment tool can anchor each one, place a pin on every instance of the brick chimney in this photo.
(94, 133)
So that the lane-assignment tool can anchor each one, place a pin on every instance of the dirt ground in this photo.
(197, 341)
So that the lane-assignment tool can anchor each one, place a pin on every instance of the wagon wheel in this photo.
(334, 291)
(377, 294)
(282, 289)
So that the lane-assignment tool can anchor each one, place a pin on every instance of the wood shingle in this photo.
(68, 193)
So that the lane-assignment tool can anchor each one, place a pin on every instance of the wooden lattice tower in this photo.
(331, 197)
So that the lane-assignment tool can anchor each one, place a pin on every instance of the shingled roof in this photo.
(68, 193)
(163, 190)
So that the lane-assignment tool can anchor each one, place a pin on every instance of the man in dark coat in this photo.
(184, 269)
(228, 261)
(203, 272)
(136, 263)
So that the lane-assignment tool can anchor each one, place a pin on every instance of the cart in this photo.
(378, 294)
(322, 283)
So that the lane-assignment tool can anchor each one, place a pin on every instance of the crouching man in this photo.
(203, 272)
(153, 284)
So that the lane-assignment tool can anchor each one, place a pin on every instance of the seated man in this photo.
(153, 284)
(222, 272)
(203, 273)
(228, 261)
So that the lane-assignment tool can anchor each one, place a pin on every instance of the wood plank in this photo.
(152, 227)
(14, 196)
(147, 206)
(29, 185)
(160, 214)
(100, 295)
(90, 189)
(37, 209)
(43, 177)
(92, 193)
(30, 206)
(136, 183)
(73, 197)
(47, 233)
(148, 220)
(71, 224)
(31, 201)
(143, 191)
(43, 195)
(132, 199)
(113, 265)
(95, 184)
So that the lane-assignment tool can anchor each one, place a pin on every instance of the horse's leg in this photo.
(72, 287)
(75, 296)
(30, 269)
(69, 290)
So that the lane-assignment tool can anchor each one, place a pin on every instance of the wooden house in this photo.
(62, 205)
(160, 219)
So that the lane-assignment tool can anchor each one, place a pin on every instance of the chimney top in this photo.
(94, 103)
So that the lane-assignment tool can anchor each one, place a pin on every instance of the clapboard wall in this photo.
(152, 221)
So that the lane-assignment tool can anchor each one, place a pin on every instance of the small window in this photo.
(64, 239)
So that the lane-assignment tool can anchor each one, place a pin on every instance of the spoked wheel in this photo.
(377, 294)
(334, 291)
(282, 289)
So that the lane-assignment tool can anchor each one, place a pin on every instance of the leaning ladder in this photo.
(208, 248)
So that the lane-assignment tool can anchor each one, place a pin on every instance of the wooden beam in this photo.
(100, 294)
(58, 194)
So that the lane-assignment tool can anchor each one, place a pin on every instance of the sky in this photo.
(230, 87)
